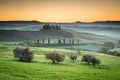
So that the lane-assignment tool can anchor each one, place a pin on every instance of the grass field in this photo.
(42, 69)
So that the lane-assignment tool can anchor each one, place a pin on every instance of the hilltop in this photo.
(20, 22)
(16, 35)
(76, 22)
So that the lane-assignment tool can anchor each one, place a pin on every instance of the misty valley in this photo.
(32, 50)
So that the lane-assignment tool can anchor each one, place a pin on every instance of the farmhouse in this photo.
(48, 26)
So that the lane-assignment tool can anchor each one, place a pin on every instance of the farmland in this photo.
(43, 69)
(91, 39)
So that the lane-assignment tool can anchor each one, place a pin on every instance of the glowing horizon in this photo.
(60, 10)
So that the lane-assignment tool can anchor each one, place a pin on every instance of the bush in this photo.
(90, 59)
(112, 52)
(109, 45)
(86, 58)
(117, 54)
(103, 50)
(55, 57)
(23, 54)
(73, 57)
(94, 61)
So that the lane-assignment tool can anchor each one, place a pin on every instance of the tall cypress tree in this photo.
(43, 40)
(48, 40)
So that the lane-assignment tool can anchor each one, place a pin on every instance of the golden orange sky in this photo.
(60, 10)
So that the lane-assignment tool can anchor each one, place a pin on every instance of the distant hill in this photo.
(98, 22)
(20, 22)
(77, 22)
(107, 22)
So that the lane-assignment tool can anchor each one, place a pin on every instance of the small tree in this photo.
(64, 41)
(28, 43)
(23, 54)
(94, 61)
(117, 54)
(55, 57)
(90, 59)
(109, 45)
(103, 50)
(38, 41)
(112, 52)
(59, 41)
(73, 57)
(86, 58)
(43, 40)
(48, 40)
(72, 41)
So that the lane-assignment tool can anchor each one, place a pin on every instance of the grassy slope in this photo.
(42, 69)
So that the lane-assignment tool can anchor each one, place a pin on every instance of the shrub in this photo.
(112, 52)
(103, 50)
(73, 57)
(109, 45)
(23, 54)
(94, 61)
(86, 58)
(90, 59)
(55, 57)
(117, 54)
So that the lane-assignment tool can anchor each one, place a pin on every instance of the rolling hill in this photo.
(15, 35)
(91, 36)
(42, 69)
(30, 30)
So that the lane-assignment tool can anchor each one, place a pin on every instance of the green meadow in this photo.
(42, 69)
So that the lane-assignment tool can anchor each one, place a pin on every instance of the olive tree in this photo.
(109, 45)
(73, 57)
(90, 59)
(23, 54)
(55, 57)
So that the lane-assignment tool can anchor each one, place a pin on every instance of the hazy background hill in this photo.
(16, 35)
(100, 30)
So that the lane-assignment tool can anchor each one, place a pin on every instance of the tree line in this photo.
(24, 54)
(60, 41)
(107, 46)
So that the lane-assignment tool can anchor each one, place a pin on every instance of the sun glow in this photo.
(60, 10)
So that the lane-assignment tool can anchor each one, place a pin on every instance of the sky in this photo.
(60, 10)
